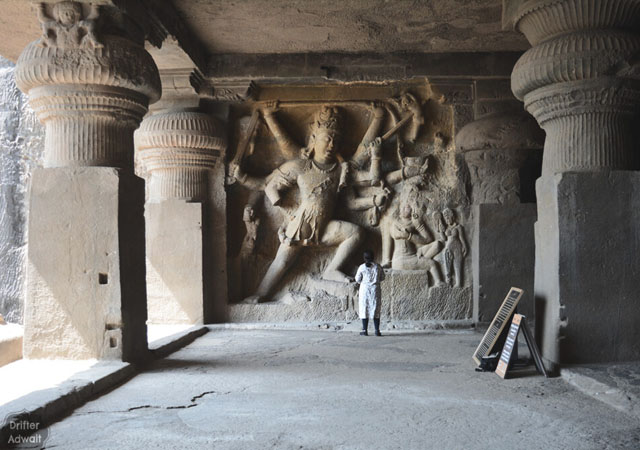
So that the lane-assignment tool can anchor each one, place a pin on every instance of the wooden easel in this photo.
(518, 323)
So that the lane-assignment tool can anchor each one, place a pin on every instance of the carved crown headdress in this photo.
(326, 119)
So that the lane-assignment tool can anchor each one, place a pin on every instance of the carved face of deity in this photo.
(67, 13)
(447, 214)
(324, 150)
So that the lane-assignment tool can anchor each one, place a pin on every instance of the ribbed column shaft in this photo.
(179, 148)
(180, 182)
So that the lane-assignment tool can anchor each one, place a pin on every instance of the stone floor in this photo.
(256, 389)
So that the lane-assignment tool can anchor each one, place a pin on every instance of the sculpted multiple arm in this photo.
(288, 147)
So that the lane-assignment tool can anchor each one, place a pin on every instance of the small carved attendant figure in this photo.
(251, 223)
(67, 29)
(455, 248)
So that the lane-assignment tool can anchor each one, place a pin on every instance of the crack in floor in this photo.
(134, 408)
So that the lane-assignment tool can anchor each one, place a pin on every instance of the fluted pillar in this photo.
(179, 149)
(503, 155)
(581, 81)
(90, 83)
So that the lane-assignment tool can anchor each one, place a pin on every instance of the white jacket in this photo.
(369, 294)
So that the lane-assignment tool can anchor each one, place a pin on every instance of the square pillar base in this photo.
(175, 262)
(86, 295)
(503, 256)
(588, 267)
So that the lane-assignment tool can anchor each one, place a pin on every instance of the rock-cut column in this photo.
(179, 150)
(581, 81)
(503, 154)
(90, 87)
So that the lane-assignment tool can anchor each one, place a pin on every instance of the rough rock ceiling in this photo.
(288, 26)
(301, 26)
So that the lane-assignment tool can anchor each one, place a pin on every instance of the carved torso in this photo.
(318, 197)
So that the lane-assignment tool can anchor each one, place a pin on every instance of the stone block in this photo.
(410, 298)
(503, 253)
(174, 262)
(86, 294)
(588, 267)
(291, 308)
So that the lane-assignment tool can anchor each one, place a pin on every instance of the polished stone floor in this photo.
(257, 389)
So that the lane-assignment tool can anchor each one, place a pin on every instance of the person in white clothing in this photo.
(369, 276)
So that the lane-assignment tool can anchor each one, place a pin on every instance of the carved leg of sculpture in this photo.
(435, 273)
(430, 250)
(457, 267)
(448, 262)
(347, 237)
(284, 259)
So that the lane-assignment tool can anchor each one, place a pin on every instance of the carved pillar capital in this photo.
(179, 148)
(581, 80)
(89, 89)
(495, 148)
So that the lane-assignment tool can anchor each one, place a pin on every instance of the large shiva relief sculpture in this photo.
(375, 173)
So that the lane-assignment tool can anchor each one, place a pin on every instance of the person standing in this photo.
(369, 276)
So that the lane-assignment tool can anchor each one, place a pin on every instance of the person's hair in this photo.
(368, 257)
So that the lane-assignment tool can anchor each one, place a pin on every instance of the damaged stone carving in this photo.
(251, 223)
(67, 28)
(324, 179)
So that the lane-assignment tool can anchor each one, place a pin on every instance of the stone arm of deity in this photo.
(288, 147)
(355, 203)
(421, 235)
(248, 181)
(361, 155)
(363, 177)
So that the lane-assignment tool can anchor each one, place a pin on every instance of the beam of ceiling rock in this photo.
(234, 42)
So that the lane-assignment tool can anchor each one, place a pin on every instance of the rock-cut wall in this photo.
(21, 145)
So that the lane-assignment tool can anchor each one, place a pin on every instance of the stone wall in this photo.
(21, 144)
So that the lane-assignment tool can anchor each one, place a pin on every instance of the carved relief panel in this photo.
(327, 171)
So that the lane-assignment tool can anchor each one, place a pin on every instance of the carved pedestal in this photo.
(180, 149)
(85, 282)
(86, 294)
(580, 81)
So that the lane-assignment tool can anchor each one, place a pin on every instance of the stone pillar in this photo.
(179, 149)
(502, 151)
(86, 294)
(581, 82)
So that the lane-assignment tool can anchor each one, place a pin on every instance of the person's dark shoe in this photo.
(364, 333)
(378, 333)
